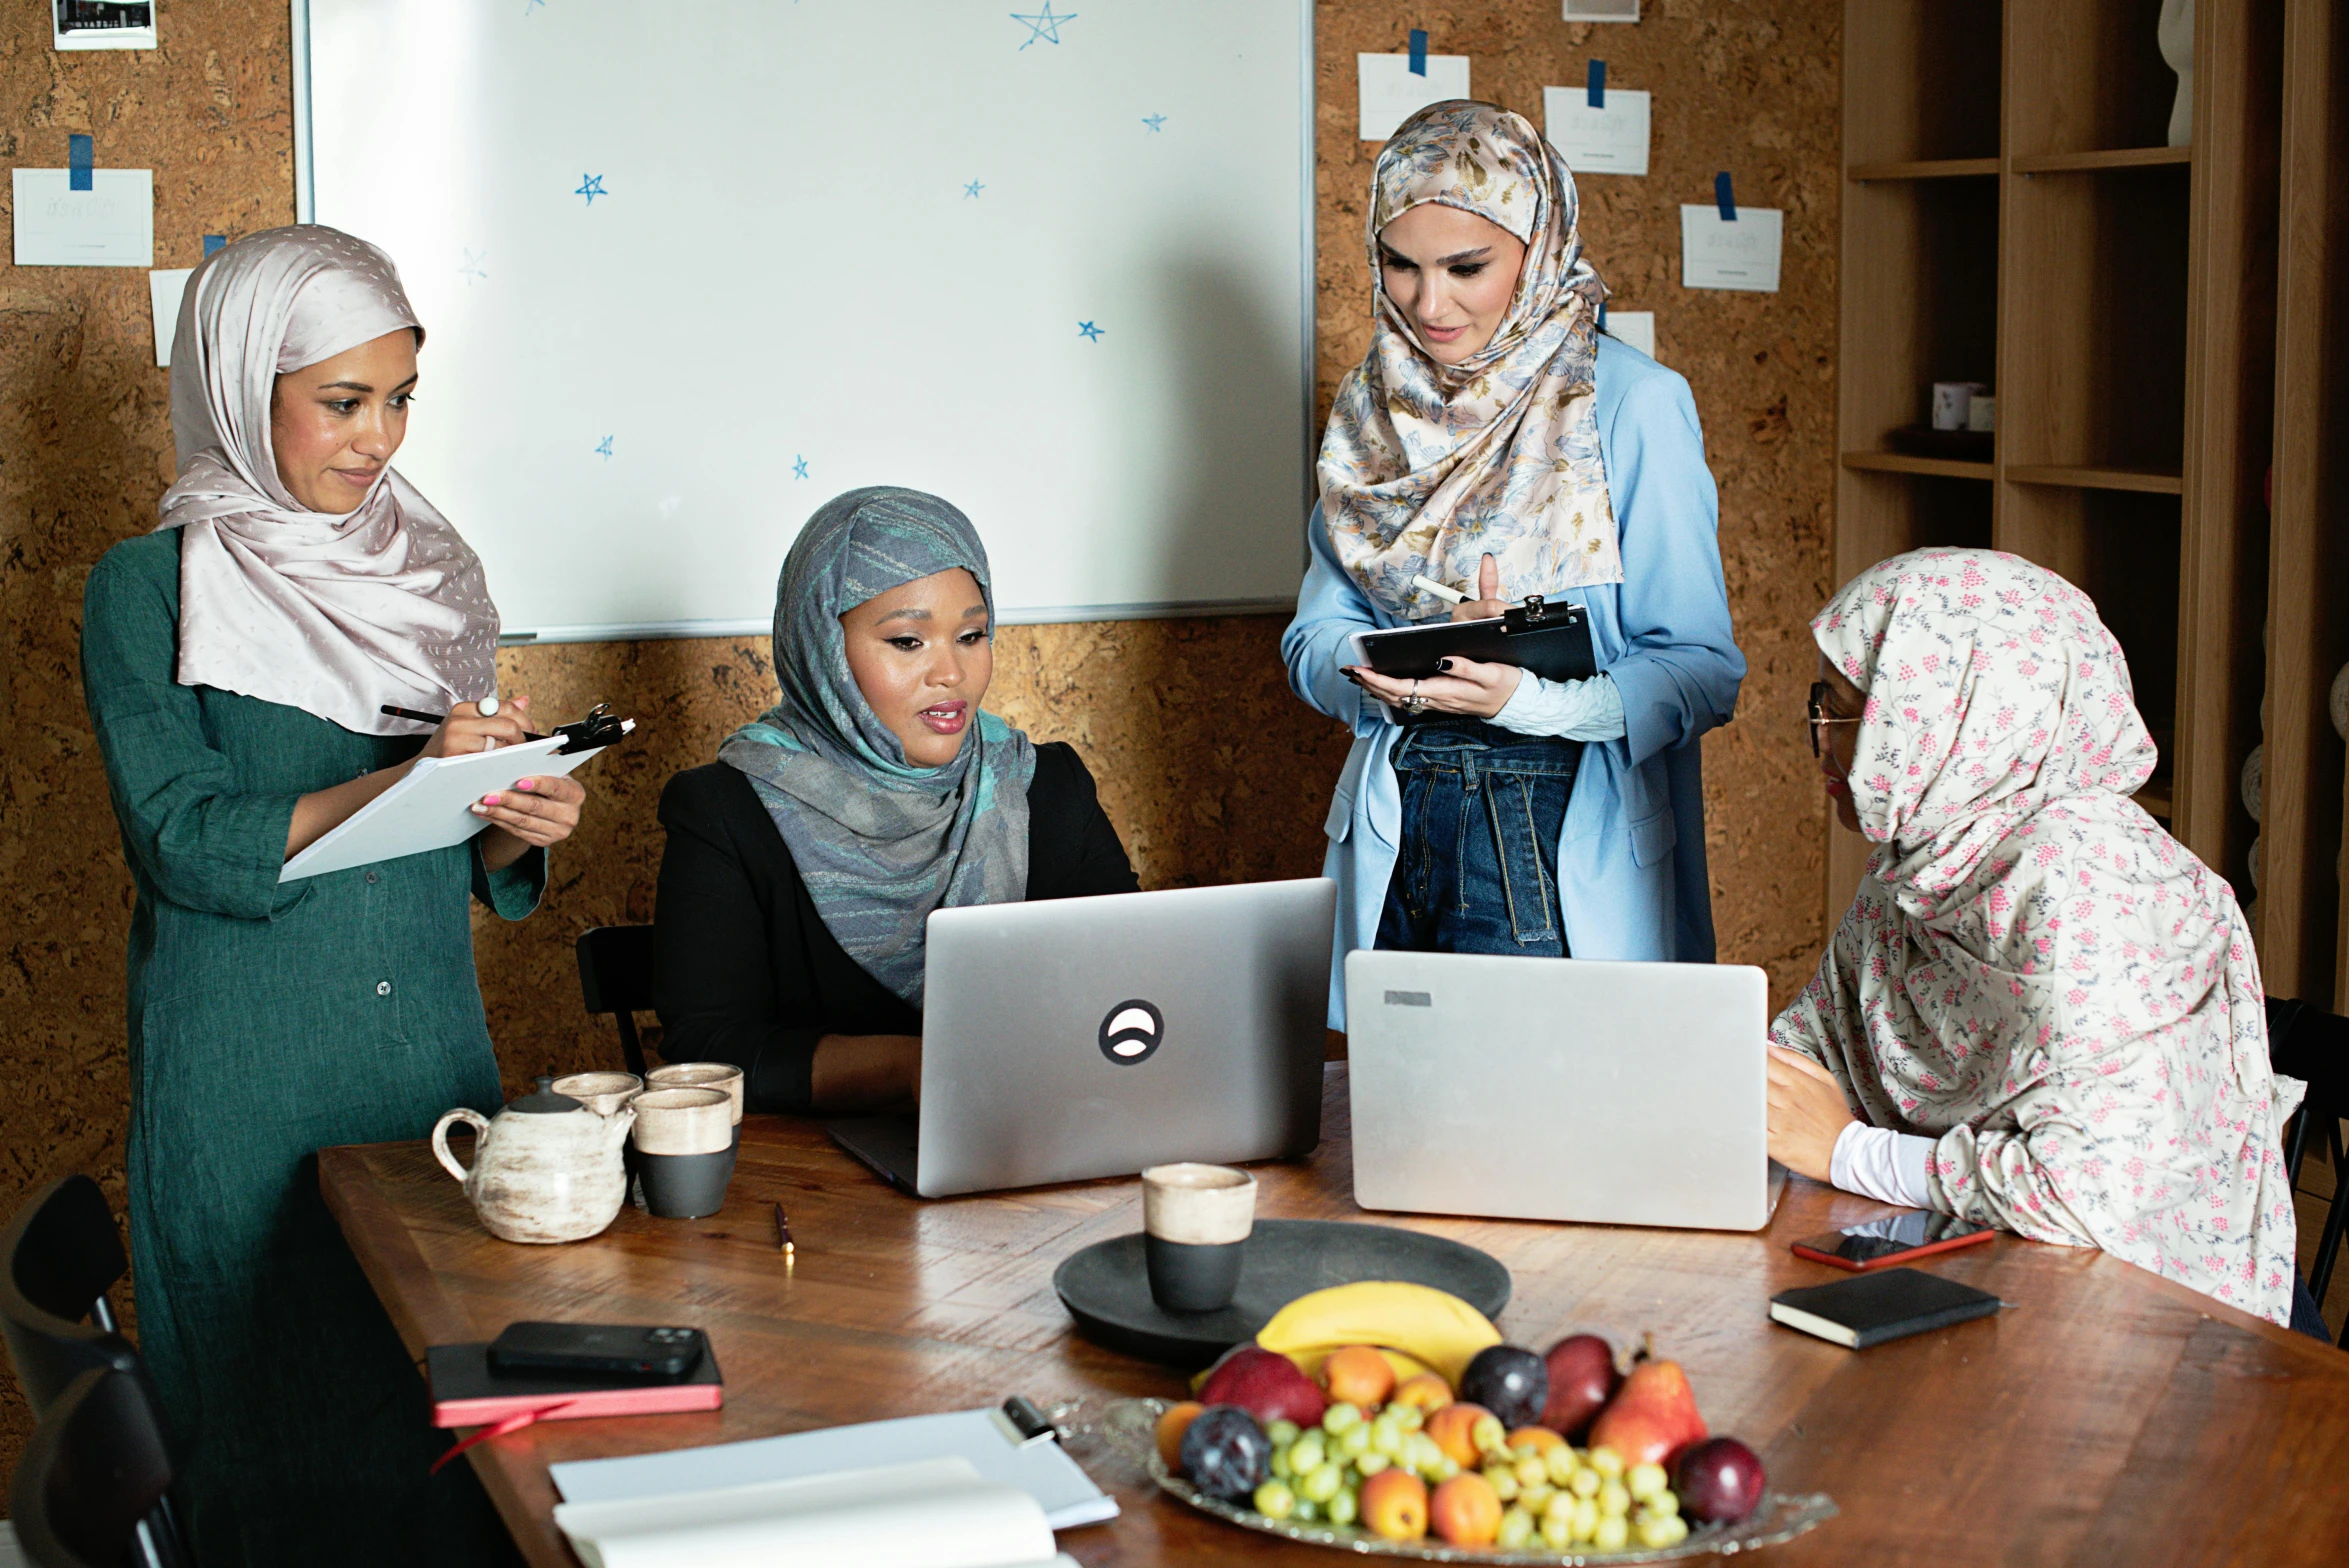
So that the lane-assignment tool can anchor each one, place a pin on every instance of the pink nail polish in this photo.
(489, 800)
(524, 783)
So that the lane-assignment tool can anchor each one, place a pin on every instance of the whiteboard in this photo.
(689, 268)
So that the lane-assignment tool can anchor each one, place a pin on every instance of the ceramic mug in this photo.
(602, 1093)
(703, 1075)
(684, 1142)
(1195, 1225)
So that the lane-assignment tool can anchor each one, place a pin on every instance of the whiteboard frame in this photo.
(305, 209)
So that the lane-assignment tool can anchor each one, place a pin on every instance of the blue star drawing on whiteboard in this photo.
(603, 449)
(1156, 122)
(799, 468)
(972, 189)
(531, 5)
(471, 271)
(1042, 26)
(1089, 332)
(591, 186)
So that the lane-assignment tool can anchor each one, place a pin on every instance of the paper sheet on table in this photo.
(429, 809)
(934, 1514)
(1392, 93)
(981, 1438)
(112, 224)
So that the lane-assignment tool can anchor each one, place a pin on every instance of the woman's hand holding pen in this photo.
(1488, 601)
(536, 812)
(1467, 687)
(467, 729)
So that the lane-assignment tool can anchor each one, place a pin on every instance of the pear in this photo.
(1652, 1417)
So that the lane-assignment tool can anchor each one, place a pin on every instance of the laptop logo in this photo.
(1409, 999)
(1131, 1032)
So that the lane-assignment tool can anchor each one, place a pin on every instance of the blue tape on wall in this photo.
(213, 242)
(1598, 84)
(1419, 51)
(1727, 202)
(80, 153)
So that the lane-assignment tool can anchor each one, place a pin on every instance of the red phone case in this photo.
(1889, 1260)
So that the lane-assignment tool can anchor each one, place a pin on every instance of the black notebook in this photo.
(1872, 1308)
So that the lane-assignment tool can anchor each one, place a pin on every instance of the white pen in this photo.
(1448, 595)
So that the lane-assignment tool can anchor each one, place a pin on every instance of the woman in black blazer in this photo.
(802, 864)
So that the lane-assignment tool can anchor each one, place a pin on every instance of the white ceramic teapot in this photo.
(547, 1168)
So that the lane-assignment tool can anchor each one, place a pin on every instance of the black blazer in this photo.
(748, 973)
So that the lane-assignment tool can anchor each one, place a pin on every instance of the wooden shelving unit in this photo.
(2012, 216)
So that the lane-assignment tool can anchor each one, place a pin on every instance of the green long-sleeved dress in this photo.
(269, 1021)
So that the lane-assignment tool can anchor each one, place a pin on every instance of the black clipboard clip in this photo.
(599, 729)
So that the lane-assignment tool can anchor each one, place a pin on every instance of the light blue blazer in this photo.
(1631, 852)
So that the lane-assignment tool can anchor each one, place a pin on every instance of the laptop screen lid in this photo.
(1075, 1038)
(1560, 1089)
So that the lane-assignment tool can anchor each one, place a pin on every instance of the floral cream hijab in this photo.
(335, 615)
(1427, 468)
(2033, 973)
(879, 842)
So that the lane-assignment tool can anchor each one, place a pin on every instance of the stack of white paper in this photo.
(933, 1514)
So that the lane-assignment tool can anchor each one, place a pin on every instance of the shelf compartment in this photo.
(1921, 80)
(2109, 158)
(1923, 169)
(2155, 798)
(1902, 463)
(2087, 477)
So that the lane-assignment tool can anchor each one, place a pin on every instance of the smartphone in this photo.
(1896, 1239)
(617, 1351)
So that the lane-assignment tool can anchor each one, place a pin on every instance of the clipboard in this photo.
(1548, 640)
(431, 807)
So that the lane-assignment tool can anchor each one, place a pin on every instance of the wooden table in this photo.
(2110, 1417)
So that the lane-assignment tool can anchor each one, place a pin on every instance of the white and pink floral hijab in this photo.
(2033, 972)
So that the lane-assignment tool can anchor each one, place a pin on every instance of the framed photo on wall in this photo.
(102, 24)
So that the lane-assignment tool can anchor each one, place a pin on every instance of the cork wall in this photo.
(1210, 770)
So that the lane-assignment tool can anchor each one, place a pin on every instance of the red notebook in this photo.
(467, 1391)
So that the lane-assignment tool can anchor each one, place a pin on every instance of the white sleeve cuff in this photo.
(1572, 710)
(1878, 1163)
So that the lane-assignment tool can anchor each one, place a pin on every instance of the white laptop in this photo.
(1075, 1038)
(1561, 1089)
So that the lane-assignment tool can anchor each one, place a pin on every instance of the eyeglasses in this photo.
(1820, 692)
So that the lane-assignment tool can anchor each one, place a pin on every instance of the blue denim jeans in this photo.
(1477, 869)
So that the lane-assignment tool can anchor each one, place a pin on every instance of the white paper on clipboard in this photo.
(430, 808)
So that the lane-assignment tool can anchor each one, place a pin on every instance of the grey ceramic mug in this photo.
(1195, 1225)
(684, 1140)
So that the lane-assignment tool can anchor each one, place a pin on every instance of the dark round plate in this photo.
(1107, 1290)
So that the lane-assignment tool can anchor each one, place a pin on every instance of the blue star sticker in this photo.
(532, 5)
(1156, 122)
(603, 449)
(472, 268)
(1089, 332)
(1042, 26)
(799, 468)
(591, 186)
(973, 189)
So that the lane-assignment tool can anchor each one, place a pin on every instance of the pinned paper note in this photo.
(102, 24)
(1739, 254)
(112, 224)
(1391, 93)
(164, 288)
(1593, 140)
(1632, 328)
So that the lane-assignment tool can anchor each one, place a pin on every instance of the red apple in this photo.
(1265, 1384)
(1583, 1378)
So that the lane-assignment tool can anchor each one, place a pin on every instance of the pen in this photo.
(1449, 595)
(489, 708)
(783, 1233)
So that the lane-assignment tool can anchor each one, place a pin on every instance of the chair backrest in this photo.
(90, 1488)
(2306, 1042)
(58, 1258)
(616, 977)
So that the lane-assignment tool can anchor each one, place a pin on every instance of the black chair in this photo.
(616, 977)
(2308, 1043)
(89, 1491)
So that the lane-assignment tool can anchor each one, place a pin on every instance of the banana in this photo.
(1423, 1323)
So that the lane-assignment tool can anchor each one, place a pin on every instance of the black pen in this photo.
(489, 708)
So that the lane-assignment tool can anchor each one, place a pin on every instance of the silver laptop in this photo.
(1561, 1089)
(1074, 1038)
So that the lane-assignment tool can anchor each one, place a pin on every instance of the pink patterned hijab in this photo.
(2033, 973)
(1426, 468)
(335, 615)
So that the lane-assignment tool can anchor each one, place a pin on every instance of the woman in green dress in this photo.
(236, 662)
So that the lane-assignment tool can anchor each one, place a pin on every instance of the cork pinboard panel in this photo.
(1211, 771)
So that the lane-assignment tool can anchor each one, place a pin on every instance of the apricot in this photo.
(1535, 1440)
(1394, 1505)
(1427, 1390)
(1171, 1427)
(1465, 1510)
(1358, 1375)
(1453, 1429)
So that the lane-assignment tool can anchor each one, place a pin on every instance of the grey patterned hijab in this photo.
(879, 842)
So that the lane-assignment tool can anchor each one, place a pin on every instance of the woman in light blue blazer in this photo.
(1494, 444)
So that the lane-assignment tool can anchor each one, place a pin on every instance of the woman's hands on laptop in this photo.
(1807, 1114)
(854, 1073)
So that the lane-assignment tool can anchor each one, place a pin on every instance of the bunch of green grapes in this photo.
(1583, 1497)
(1317, 1472)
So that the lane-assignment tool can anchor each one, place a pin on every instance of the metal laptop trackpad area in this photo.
(886, 1143)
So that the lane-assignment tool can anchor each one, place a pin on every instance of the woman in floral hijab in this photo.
(2041, 1012)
